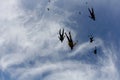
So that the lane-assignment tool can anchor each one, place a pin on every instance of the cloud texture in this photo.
(30, 49)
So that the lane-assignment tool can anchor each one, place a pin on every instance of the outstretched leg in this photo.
(70, 36)
(89, 10)
(60, 32)
(92, 11)
(63, 32)
(67, 37)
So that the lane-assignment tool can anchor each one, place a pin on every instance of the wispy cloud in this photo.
(30, 47)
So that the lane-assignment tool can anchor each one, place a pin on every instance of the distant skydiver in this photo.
(95, 50)
(49, 0)
(48, 9)
(61, 35)
(70, 41)
(79, 12)
(91, 38)
(92, 14)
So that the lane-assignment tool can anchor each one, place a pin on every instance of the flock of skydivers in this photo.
(71, 44)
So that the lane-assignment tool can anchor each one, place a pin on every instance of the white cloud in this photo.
(26, 35)
(8, 9)
(85, 47)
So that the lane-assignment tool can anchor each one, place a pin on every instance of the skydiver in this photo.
(61, 35)
(95, 50)
(92, 14)
(79, 12)
(91, 38)
(49, 0)
(48, 9)
(70, 41)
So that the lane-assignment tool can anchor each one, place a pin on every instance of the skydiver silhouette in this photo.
(95, 50)
(48, 9)
(61, 35)
(91, 38)
(48, 0)
(70, 41)
(79, 12)
(92, 14)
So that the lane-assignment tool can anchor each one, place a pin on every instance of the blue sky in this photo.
(30, 48)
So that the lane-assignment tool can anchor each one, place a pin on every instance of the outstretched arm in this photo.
(75, 43)
(89, 16)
